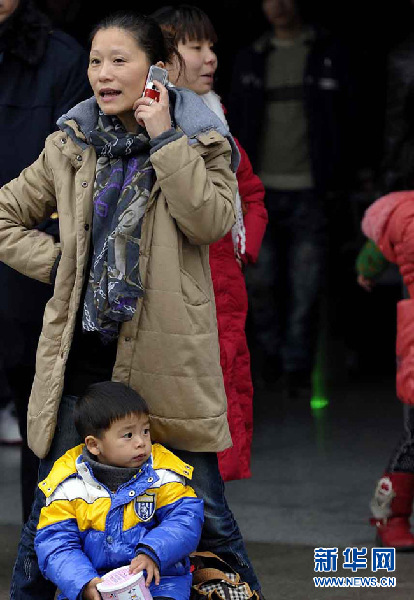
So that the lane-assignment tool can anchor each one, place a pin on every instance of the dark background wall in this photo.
(369, 27)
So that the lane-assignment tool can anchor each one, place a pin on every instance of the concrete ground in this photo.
(313, 474)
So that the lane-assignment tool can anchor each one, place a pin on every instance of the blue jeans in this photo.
(27, 580)
(402, 458)
(284, 286)
(221, 534)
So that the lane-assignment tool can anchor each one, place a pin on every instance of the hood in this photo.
(377, 215)
(189, 113)
(63, 468)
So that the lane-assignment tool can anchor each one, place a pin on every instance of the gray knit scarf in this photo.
(123, 182)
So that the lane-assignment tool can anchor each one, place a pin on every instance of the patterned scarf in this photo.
(123, 182)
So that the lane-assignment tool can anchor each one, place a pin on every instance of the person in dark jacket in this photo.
(291, 108)
(398, 163)
(42, 74)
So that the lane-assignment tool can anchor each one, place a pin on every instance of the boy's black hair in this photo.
(102, 404)
(186, 23)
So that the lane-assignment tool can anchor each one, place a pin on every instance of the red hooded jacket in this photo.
(389, 222)
(231, 305)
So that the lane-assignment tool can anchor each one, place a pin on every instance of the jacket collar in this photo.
(190, 114)
(63, 468)
(67, 466)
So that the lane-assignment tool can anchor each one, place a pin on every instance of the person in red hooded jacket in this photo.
(195, 37)
(389, 222)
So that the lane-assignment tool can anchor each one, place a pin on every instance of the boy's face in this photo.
(127, 443)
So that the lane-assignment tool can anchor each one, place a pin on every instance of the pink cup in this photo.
(119, 584)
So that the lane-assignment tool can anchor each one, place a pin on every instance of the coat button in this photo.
(127, 339)
(63, 140)
(86, 227)
(131, 493)
(109, 539)
(98, 487)
(79, 157)
(150, 479)
(84, 184)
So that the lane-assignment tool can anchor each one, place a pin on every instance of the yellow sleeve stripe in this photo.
(171, 492)
(88, 516)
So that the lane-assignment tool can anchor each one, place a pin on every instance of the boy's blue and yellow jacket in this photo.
(86, 530)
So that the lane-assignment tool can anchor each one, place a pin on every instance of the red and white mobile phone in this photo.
(157, 74)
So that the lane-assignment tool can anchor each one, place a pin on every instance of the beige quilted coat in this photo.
(169, 351)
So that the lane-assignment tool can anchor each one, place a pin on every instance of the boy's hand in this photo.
(141, 562)
(90, 592)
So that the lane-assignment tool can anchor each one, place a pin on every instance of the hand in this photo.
(365, 283)
(154, 116)
(90, 592)
(141, 562)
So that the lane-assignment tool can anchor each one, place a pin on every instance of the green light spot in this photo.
(318, 402)
(319, 398)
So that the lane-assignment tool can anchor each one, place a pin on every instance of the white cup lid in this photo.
(117, 579)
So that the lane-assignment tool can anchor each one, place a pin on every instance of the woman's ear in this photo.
(160, 64)
(92, 444)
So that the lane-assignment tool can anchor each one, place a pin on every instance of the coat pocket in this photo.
(192, 291)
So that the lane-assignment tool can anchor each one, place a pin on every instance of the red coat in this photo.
(390, 223)
(231, 305)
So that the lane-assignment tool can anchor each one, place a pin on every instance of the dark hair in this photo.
(185, 22)
(102, 404)
(146, 33)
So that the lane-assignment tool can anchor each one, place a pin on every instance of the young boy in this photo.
(117, 499)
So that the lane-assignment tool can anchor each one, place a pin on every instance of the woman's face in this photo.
(200, 63)
(117, 72)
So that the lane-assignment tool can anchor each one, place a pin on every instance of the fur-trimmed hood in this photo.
(189, 113)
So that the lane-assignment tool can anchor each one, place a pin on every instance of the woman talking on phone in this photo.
(142, 187)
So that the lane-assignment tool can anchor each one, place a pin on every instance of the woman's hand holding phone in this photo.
(154, 116)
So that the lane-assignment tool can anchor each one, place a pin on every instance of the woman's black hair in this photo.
(104, 403)
(186, 23)
(146, 33)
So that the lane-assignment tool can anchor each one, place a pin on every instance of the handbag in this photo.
(214, 579)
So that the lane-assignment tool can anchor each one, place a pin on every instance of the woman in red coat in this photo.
(389, 222)
(195, 36)
(226, 260)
